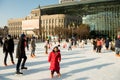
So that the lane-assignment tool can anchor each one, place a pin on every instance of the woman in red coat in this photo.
(54, 59)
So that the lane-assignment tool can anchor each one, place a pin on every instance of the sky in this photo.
(19, 8)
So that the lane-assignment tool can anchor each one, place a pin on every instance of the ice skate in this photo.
(59, 75)
(24, 68)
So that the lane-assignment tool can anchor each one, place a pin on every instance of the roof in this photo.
(75, 3)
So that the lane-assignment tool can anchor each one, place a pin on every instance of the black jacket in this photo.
(8, 46)
(117, 43)
(20, 51)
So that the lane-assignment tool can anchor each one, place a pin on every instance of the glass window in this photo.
(43, 21)
(46, 21)
(55, 20)
(59, 20)
(52, 20)
(49, 20)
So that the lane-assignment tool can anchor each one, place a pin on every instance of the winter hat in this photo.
(22, 35)
(8, 36)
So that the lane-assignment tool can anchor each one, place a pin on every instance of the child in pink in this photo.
(54, 59)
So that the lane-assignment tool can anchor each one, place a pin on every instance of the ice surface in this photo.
(78, 64)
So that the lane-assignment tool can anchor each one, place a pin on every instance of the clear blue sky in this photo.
(19, 8)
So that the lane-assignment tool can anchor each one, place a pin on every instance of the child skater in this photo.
(54, 59)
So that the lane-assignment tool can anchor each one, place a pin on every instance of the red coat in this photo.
(99, 43)
(54, 59)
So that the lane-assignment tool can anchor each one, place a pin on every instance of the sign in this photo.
(30, 24)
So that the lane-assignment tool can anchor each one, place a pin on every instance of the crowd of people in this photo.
(54, 57)
(8, 48)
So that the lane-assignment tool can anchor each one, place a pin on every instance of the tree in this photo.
(83, 31)
(62, 32)
(58, 31)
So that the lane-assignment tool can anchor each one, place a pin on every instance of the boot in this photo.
(13, 62)
(18, 72)
(117, 55)
(5, 64)
(59, 75)
(34, 55)
(23, 67)
(31, 55)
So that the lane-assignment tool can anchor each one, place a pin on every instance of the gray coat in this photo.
(32, 44)
(20, 51)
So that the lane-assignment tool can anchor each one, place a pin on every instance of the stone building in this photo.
(49, 22)
(40, 25)
(15, 27)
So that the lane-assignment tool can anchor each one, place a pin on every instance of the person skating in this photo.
(46, 46)
(1, 42)
(70, 45)
(94, 45)
(8, 48)
(99, 45)
(107, 43)
(82, 43)
(112, 45)
(32, 46)
(54, 59)
(20, 54)
(117, 46)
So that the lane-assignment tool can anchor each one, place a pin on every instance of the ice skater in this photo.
(46, 46)
(70, 45)
(21, 54)
(107, 41)
(82, 43)
(117, 46)
(54, 59)
(99, 45)
(32, 46)
(94, 45)
(8, 48)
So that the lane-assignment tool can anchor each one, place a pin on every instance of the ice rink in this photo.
(78, 64)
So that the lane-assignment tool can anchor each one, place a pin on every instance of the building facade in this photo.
(40, 25)
(15, 27)
(31, 23)
(106, 22)
(103, 16)
(50, 22)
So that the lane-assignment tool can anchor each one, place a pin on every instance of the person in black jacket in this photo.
(1, 42)
(8, 48)
(117, 46)
(20, 54)
(107, 41)
(94, 44)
